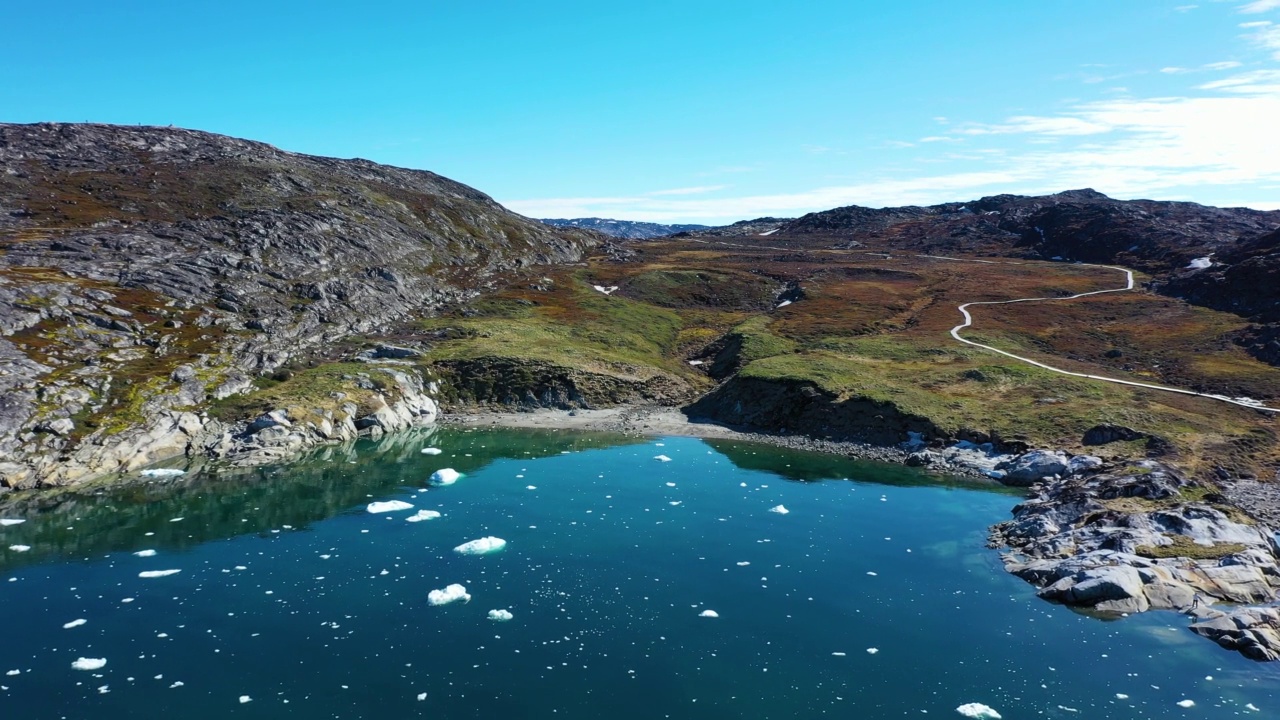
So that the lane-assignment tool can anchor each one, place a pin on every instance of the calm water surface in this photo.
(874, 597)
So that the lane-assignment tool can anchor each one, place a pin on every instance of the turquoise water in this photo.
(292, 595)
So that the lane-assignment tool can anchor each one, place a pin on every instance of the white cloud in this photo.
(938, 139)
(689, 190)
(1185, 8)
(1255, 24)
(1260, 6)
(1174, 70)
(1226, 65)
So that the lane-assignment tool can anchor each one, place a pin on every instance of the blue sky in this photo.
(695, 111)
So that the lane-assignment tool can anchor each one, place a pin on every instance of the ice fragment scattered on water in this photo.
(483, 546)
(145, 553)
(662, 458)
(423, 515)
(445, 476)
(431, 451)
(1186, 703)
(388, 506)
(89, 663)
(157, 573)
(422, 696)
(500, 615)
(452, 593)
(872, 651)
(74, 623)
(6, 522)
(244, 699)
(780, 509)
(19, 548)
(978, 710)
(709, 613)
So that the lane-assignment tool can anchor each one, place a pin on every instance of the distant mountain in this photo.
(629, 229)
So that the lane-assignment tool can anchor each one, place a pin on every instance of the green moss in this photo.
(307, 393)
(1183, 547)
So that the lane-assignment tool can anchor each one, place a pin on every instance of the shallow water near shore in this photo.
(872, 597)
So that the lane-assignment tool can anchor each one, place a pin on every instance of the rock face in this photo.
(147, 272)
(1253, 632)
(1131, 539)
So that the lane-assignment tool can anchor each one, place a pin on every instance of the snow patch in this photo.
(1202, 263)
(483, 546)
(388, 506)
(606, 290)
(452, 593)
(784, 303)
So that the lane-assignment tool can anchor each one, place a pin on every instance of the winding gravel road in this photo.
(1129, 284)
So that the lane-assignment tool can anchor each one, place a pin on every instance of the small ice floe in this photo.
(1121, 696)
(500, 615)
(19, 548)
(1251, 707)
(176, 684)
(1202, 263)
(452, 593)
(11, 673)
(709, 613)
(6, 522)
(431, 451)
(74, 624)
(245, 698)
(609, 290)
(744, 563)
(872, 651)
(423, 515)
(838, 654)
(89, 663)
(780, 509)
(388, 506)
(783, 304)
(482, 546)
(662, 458)
(157, 573)
(978, 710)
(163, 472)
(445, 476)
(422, 696)
(1186, 703)
(146, 553)
(530, 487)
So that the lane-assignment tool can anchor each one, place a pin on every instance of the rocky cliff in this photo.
(146, 273)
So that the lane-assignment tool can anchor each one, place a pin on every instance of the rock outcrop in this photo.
(147, 273)
(1136, 538)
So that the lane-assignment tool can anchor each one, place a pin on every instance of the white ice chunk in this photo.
(74, 623)
(19, 548)
(6, 522)
(662, 458)
(445, 476)
(157, 573)
(978, 710)
(14, 672)
(163, 472)
(709, 613)
(422, 696)
(431, 451)
(780, 509)
(388, 506)
(452, 593)
(245, 698)
(423, 515)
(145, 553)
(500, 615)
(483, 546)
(1121, 696)
(89, 663)
(1186, 703)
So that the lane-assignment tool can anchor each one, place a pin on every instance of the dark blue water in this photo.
(292, 595)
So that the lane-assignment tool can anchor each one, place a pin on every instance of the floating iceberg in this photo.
(483, 546)
(452, 593)
(73, 624)
(978, 710)
(145, 553)
(780, 509)
(163, 472)
(245, 698)
(445, 476)
(423, 515)
(19, 548)
(431, 451)
(6, 522)
(89, 663)
(1186, 703)
(709, 613)
(388, 506)
(500, 615)
(662, 458)
(157, 573)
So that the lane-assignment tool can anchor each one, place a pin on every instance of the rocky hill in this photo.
(627, 229)
(146, 272)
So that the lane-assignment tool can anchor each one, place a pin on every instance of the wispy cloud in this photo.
(1185, 8)
(698, 190)
(1259, 6)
